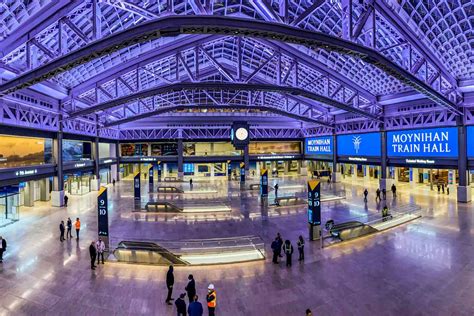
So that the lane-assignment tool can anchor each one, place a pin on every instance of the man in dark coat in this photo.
(93, 254)
(181, 305)
(275, 247)
(191, 288)
(3, 247)
(61, 231)
(169, 284)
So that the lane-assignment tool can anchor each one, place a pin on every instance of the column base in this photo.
(385, 184)
(95, 185)
(57, 198)
(336, 177)
(464, 194)
(303, 172)
(314, 232)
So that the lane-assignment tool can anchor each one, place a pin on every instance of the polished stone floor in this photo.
(424, 267)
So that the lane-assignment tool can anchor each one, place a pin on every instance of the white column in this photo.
(414, 176)
(212, 170)
(165, 169)
(304, 168)
(354, 171)
(29, 194)
(367, 173)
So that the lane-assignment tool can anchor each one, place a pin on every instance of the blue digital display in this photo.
(359, 145)
(318, 145)
(470, 141)
(431, 142)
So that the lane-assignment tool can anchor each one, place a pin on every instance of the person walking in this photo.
(442, 187)
(77, 224)
(288, 250)
(100, 246)
(276, 190)
(447, 189)
(211, 299)
(377, 194)
(61, 231)
(439, 187)
(3, 247)
(69, 228)
(169, 284)
(394, 190)
(195, 307)
(113, 182)
(66, 198)
(275, 250)
(366, 192)
(191, 184)
(384, 194)
(300, 245)
(191, 288)
(181, 305)
(93, 254)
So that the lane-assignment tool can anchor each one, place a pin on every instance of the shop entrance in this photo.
(9, 205)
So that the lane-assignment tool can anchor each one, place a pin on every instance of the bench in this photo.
(289, 200)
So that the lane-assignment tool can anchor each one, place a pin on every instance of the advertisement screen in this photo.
(359, 145)
(432, 142)
(470, 141)
(318, 145)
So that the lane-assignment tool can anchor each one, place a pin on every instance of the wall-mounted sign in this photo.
(26, 172)
(432, 142)
(420, 161)
(318, 145)
(273, 157)
(107, 161)
(79, 165)
(359, 145)
(358, 159)
(103, 214)
(242, 172)
(147, 159)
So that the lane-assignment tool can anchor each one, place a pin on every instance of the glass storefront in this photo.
(78, 184)
(104, 175)
(9, 205)
(259, 148)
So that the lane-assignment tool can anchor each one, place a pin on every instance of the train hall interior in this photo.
(236, 157)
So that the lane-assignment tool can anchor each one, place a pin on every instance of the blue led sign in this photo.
(432, 142)
(318, 145)
(359, 145)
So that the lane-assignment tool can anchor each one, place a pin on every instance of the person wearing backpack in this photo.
(288, 250)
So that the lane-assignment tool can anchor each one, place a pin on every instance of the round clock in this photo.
(241, 133)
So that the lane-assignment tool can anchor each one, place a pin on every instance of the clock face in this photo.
(241, 133)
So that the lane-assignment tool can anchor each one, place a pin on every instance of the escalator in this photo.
(146, 253)
(350, 230)
(162, 207)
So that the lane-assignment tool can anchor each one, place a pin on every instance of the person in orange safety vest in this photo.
(211, 299)
(77, 224)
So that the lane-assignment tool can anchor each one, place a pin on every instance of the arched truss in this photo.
(210, 93)
(228, 59)
(175, 25)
